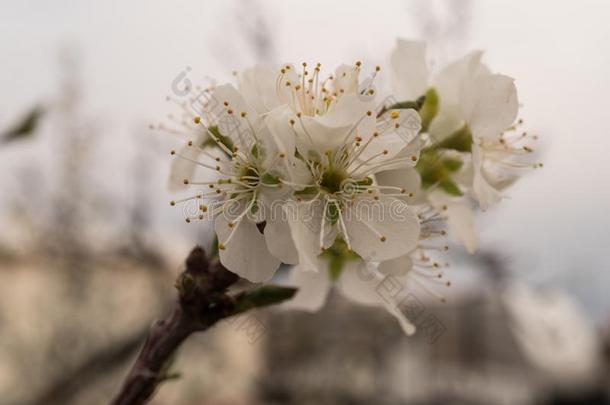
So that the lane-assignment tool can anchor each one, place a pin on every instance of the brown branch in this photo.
(203, 301)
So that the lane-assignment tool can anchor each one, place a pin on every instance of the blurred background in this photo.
(89, 246)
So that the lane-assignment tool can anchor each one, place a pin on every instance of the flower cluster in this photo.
(473, 146)
(319, 172)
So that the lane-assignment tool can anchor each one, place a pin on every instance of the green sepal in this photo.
(405, 105)
(429, 109)
(337, 256)
(225, 140)
(460, 140)
(450, 187)
(254, 151)
(452, 164)
(434, 169)
(262, 296)
(430, 169)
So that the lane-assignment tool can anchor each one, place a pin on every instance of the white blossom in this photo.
(476, 107)
(337, 133)
(250, 165)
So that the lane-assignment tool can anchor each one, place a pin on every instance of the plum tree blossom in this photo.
(317, 172)
(363, 282)
(472, 145)
(343, 144)
(249, 166)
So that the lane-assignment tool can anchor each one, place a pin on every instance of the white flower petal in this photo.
(470, 93)
(394, 141)
(346, 79)
(491, 105)
(358, 283)
(448, 120)
(233, 125)
(407, 178)
(460, 217)
(348, 110)
(305, 221)
(246, 253)
(409, 69)
(281, 135)
(485, 193)
(313, 288)
(458, 78)
(396, 267)
(282, 138)
(381, 229)
(279, 240)
(454, 84)
(314, 136)
(182, 169)
(258, 86)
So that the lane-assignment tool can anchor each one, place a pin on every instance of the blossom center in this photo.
(332, 180)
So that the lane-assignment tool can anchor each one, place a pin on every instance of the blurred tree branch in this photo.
(203, 301)
(23, 128)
